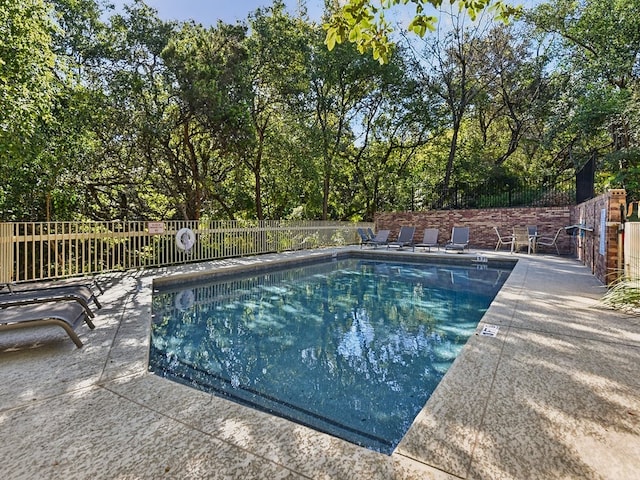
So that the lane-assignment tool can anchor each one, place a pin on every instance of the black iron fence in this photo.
(548, 193)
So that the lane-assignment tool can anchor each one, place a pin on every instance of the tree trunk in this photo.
(444, 196)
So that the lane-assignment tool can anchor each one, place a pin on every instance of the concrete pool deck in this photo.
(556, 394)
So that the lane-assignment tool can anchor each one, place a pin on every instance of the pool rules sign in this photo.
(155, 228)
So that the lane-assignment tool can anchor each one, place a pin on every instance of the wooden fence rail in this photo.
(48, 250)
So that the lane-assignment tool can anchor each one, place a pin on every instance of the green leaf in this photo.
(331, 38)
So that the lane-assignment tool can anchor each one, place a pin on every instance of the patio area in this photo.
(556, 394)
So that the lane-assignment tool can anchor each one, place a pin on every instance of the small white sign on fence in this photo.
(603, 231)
(155, 228)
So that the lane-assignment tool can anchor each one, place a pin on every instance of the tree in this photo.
(601, 46)
(27, 82)
(212, 93)
(54, 109)
(514, 81)
(278, 55)
(27, 88)
(130, 82)
(449, 67)
(342, 83)
(395, 121)
(365, 25)
(174, 121)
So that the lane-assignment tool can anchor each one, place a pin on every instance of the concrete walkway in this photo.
(556, 394)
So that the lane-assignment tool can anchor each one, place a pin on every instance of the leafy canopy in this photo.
(26, 70)
(364, 24)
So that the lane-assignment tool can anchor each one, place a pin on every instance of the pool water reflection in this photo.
(353, 348)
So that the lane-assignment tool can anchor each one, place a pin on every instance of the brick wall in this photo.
(604, 267)
(585, 246)
(481, 223)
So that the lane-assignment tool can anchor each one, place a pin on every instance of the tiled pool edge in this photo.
(221, 272)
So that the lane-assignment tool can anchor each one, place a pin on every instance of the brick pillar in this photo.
(614, 238)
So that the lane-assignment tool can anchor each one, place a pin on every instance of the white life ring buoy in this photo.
(184, 300)
(185, 239)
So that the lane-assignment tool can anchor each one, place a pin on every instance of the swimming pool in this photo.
(352, 347)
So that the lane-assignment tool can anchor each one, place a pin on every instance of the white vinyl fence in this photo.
(48, 250)
(632, 251)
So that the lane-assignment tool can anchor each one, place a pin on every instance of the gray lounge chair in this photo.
(459, 240)
(370, 233)
(79, 293)
(429, 239)
(364, 238)
(29, 286)
(405, 238)
(68, 315)
(381, 238)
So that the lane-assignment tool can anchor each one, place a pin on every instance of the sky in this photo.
(208, 12)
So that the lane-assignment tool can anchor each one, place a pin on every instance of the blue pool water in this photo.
(353, 348)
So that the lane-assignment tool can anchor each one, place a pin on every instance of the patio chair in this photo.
(370, 233)
(405, 238)
(29, 294)
(65, 314)
(430, 239)
(520, 239)
(364, 237)
(39, 285)
(381, 238)
(31, 297)
(459, 240)
(550, 241)
(502, 241)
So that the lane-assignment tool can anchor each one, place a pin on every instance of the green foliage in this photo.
(45, 107)
(279, 56)
(623, 294)
(130, 117)
(26, 73)
(365, 25)
(599, 43)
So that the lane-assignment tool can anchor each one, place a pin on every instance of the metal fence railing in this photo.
(48, 250)
(547, 193)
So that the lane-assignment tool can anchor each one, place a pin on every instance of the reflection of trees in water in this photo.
(373, 320)
(364, 341)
